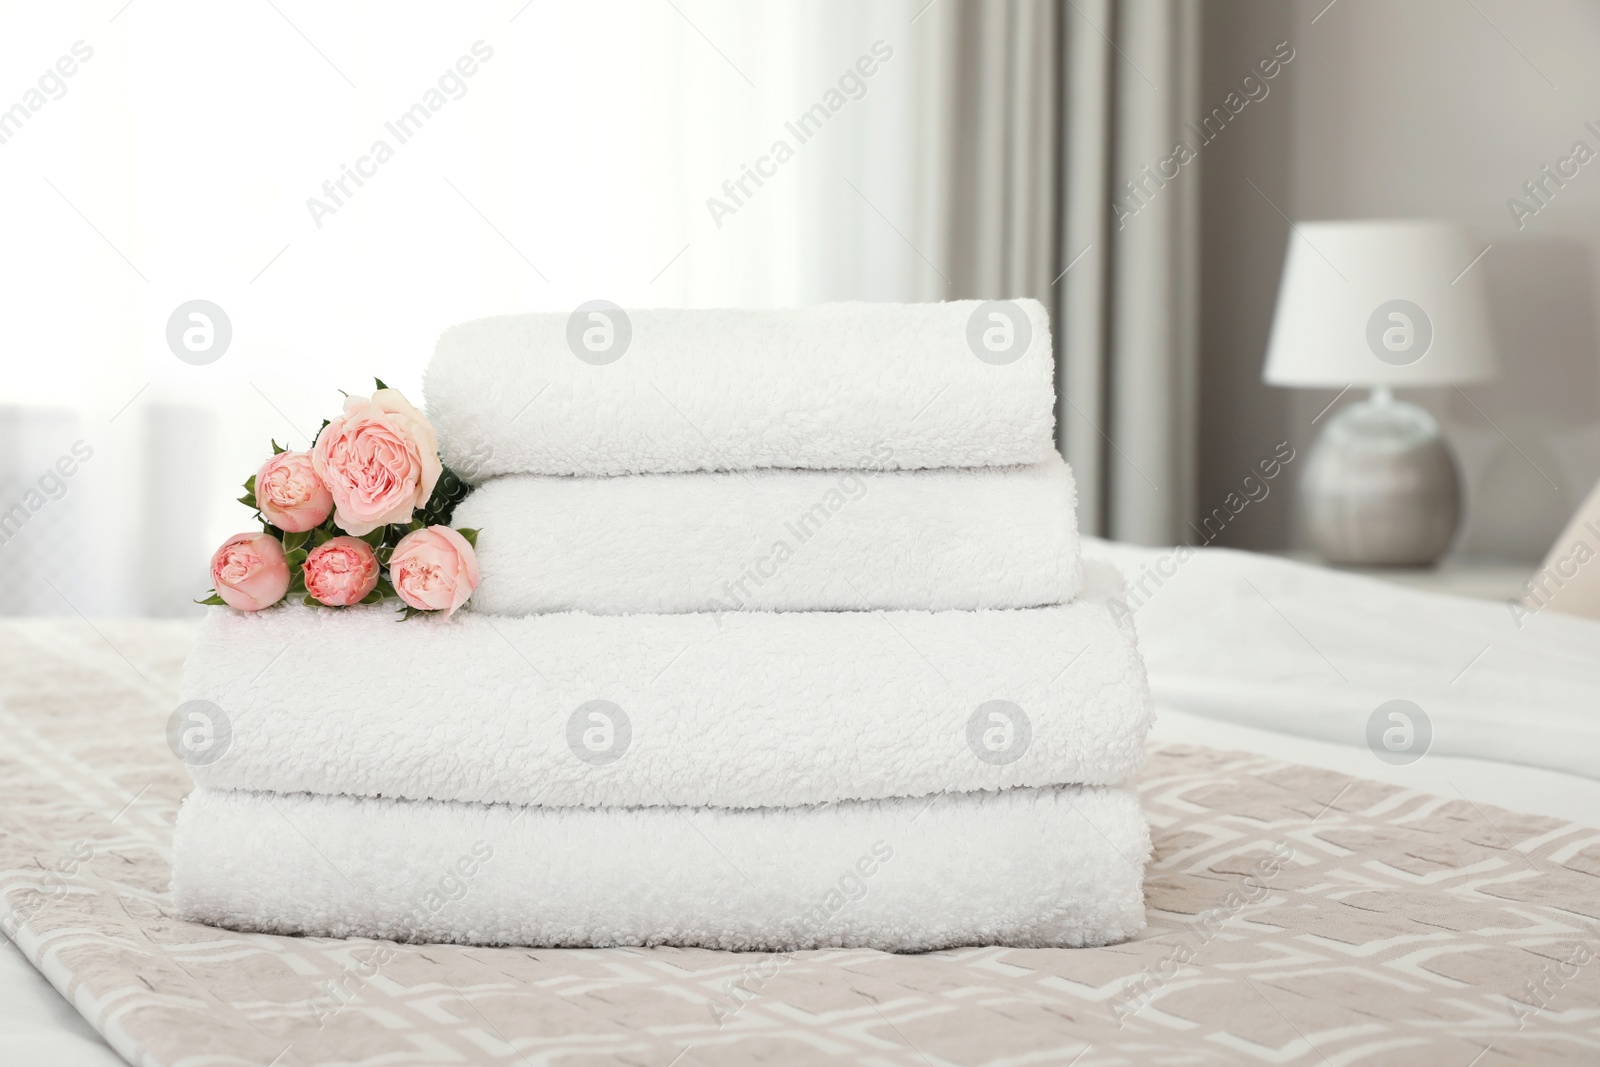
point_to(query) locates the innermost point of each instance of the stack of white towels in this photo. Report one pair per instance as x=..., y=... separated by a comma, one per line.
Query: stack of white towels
x=783, y=640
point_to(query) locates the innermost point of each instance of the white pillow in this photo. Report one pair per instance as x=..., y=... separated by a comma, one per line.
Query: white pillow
x=1569, y=580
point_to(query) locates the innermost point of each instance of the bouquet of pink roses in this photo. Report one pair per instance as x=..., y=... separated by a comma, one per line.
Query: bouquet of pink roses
x=363, y=517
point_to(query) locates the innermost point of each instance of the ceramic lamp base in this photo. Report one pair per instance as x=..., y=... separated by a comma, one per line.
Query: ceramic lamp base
x=1381, y=487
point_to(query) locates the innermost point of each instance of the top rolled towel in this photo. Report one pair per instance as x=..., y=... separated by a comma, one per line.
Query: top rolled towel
x=602, y=390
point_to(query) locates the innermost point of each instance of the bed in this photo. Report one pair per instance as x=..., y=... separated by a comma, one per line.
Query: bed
x=1317, y=894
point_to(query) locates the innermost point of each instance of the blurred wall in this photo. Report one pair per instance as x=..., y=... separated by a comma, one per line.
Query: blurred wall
x=1242, y=236
x=1436, y=108
x=43, y=535
x=103, y=517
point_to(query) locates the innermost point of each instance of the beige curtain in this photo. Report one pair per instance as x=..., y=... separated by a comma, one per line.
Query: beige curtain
x=1049, y=109
x=1126, y=315
x=1005, y=158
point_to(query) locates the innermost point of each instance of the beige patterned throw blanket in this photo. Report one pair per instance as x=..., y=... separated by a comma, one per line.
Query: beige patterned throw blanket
x=1296, y=917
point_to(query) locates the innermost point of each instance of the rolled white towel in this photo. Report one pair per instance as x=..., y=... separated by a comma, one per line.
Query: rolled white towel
x=1026, y=867
x=961, y=384
x=746, y=710
x=1002, y=537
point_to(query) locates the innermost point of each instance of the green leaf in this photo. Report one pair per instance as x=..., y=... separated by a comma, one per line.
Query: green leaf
x=448, y=491
x=379, y=383
x=311, y=601
x=322, y=535
x=250, y=484
x=248, y=500
x=212, y=599
x=292, y=541
x=471, y=537
x=372, y=597
x=277, y=449
x=375, y=537
x=295, y=558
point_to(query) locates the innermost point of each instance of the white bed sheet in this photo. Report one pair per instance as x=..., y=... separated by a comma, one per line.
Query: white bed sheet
x=38, y=1026
x=1312, y=652
x=1506, y=785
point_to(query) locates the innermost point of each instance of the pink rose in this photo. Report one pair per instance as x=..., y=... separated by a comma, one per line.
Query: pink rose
x=249, y=571
x=434, y=569
x=290, y=494
x=380, y=460
x=341, y=571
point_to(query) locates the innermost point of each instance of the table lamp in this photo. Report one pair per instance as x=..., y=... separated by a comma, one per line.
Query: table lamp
x=1382, y=304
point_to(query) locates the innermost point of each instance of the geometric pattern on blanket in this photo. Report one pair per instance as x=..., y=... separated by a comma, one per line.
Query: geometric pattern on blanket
x=1297, y=916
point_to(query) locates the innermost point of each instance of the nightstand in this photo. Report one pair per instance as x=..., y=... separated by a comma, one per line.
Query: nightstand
x=1482, y=580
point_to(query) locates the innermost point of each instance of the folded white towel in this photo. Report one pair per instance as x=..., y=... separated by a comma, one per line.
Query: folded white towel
x=1000, y=537
x=1048, y=867
x=752, y=709
x=830, y=387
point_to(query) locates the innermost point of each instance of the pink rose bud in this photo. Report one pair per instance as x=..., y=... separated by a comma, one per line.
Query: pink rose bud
x=289, y=493
x=249, y=571
x=434, y=569
x=341, y=571
x=380, y=460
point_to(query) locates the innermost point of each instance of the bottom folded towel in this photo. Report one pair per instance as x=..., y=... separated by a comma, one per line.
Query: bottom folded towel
x=1048, y=867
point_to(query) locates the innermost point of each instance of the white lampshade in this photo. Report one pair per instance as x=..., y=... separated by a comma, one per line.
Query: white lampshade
x=1380, y=302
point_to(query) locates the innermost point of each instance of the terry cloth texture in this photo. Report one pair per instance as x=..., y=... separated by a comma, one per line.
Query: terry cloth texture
x=1003, y=537
x=1026, y=867
x=743, y=710
x=962, y=384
